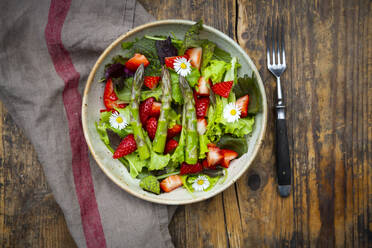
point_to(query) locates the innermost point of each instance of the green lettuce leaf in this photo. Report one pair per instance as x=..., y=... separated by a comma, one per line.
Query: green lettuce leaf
x=191, y=37
x=241, y=127
x=214, y=128
x=238, y=145
x=151, y=184
x=125, y=94
x=220, y=54
x=189, y=180
x=215, y=71
x=203, y=146
x=248, y=85
x=101, y=130
x=176, y=90
x=193, y=77
x=135, y=164
x=173, y=118
x=178, y=155
x=158, y=161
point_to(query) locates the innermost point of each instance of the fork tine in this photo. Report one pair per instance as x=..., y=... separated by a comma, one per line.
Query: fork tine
x=268, y=42
x=273, y=38
x=278, y=40
x=282, y=41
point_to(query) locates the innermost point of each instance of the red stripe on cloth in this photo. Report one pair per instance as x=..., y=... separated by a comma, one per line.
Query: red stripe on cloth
x=64, y=67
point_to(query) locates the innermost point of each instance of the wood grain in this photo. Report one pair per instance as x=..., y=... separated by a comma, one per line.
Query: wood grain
x=328, y=92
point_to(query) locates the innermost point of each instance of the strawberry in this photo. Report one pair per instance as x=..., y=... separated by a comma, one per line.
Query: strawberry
x=228, y=155
x=190, y=168
x=195, y=95
x=174, y=131
x=201, y=126
x=170, y=183
x=151, y=126
x=155, y=110
x=145, y=109
x=170, y=146
x=126, y=146
x=195, y=56
x=242, y=103
x=223, y=89
x=205, y=164
x=214, y=156
x=170, y=60
x=110, y=98
x=201, y=106
x=138, y=59
x=151, y=81
x=203, y=87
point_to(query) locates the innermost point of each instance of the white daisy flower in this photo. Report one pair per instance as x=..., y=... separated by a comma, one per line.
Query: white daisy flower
x=231, y=112
x=182, y=66
x=201, y=183
x=118, y=121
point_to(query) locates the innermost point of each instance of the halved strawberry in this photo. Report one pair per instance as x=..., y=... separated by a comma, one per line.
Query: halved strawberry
x=203, y=87
x=223, y=89
x=170, y=60
x=155, y=110
x=126, y=146
x=242, y=103
x=151, y=126
x=170, y=183
x=138, y=59
x=201, y=106
x=170, y=146
x=205, y=164
x=201, y=126
x=228, y=155
x=174, y=131
x=195, y=56
x=190, y=168
x=214, y=156
x=145, y=109
x=110, y=98
x=151, y=81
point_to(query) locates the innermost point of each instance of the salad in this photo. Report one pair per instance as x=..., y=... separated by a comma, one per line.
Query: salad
x=176, y=113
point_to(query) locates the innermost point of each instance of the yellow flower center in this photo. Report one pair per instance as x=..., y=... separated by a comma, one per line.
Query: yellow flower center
x=200, y=182
x=119, y=120
x=183, y=66
x=233, y=112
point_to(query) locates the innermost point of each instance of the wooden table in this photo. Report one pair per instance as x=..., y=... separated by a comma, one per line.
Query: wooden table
x=328, y=92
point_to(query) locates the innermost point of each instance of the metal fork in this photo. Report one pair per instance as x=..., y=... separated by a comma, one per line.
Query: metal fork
x=277, y=66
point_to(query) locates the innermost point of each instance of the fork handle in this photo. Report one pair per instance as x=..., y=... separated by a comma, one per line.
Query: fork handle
x=282, y=150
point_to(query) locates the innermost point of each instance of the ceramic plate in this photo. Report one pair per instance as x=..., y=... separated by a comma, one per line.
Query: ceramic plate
x=92, y=103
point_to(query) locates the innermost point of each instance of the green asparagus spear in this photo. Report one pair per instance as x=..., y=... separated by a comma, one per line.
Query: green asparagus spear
x=191, y=150
x=139, y=136
x=161, y=131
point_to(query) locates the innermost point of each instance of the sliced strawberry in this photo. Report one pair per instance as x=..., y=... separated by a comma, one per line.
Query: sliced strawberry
x=151, y=81
x=126, y=146
x=155, y=110
x=203, y=87
x=195, y=56
x=228, y=155
x=195, y=95
x=151, y=126
x=214, y=156
x=174, y=131
x=223, y=89
x=205, y=164
x=110, y=98
x=138, y=59
x=190, y=168
x=242, y=103
x=170, y=183
x=145, y=109
x=201, y=126
x=201, y=106
x=170, y=146
x=169, y=61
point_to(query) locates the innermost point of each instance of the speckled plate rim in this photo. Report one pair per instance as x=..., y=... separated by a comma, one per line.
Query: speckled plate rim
x=257, y=145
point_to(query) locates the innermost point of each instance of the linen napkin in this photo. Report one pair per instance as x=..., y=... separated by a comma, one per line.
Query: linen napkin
x=47, y=51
